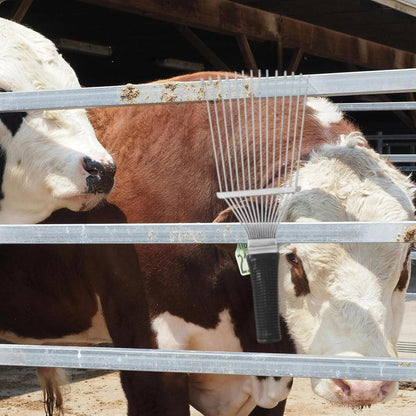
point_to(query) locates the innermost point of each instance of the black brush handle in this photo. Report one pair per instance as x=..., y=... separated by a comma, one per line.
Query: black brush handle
x=264, y=270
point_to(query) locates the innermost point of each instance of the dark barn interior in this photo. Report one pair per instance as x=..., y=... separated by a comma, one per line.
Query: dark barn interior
x=112, y=42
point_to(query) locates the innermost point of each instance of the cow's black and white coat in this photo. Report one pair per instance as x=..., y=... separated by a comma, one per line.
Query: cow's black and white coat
x=48, y=159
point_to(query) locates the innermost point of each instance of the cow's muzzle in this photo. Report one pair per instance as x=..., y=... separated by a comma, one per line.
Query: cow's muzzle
x=101, y=176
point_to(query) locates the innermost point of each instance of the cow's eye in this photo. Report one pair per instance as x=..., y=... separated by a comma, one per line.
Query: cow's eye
x=292, y=259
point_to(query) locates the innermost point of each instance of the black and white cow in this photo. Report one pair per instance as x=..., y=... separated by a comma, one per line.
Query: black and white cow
x=48, y=159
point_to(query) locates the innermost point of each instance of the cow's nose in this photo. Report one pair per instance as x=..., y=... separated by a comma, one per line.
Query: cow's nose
x=362, y=392
x=100, y=177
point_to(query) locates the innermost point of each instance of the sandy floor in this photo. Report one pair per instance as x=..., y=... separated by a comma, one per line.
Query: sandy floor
x=98, y=393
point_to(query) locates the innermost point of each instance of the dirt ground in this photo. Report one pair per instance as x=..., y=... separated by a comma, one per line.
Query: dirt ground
x=98, y=393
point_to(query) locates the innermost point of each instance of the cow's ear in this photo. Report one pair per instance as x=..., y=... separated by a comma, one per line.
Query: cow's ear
x=226, y=216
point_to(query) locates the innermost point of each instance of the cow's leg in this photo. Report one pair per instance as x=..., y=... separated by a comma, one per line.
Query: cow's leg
x=168, y=398
x=118, y=282
x=119, y=286
x=279, y=410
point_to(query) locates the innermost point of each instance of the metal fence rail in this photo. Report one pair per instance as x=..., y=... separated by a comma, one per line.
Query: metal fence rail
x=205, y=233
x=338, y=84
x=400, y=158
x=378, y=106
x=259, y=364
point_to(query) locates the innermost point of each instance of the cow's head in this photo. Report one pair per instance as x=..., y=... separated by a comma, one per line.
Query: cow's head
x=347, y=299
x=48, y=159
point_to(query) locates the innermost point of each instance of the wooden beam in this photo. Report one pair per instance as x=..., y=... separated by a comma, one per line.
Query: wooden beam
x=280, y=56
x=202, y=48
x=295, y=61
x=247, y=53
x=21, y=11
x=227, y=17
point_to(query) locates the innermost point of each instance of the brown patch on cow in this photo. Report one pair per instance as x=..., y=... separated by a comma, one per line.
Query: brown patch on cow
x=404, y=275
x=298, y=275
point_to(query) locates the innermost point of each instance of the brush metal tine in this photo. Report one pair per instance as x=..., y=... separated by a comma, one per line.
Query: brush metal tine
x=267, y=178
x=226, y=156
x=240, y=133
x=282, y=123
x=266, y=169
x=234, y=147
x=295, y=129
x=253, y=134
x=266, y=152
x=305, y=97
x=255, y=206
x=247, y=143
x=211, y=127
x=289, y=119
x=224, y=181
x=274, y=131
x=260, y=140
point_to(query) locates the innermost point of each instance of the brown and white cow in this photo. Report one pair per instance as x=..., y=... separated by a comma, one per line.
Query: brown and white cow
x=51, y=160
x=335, y=298
x=73, y=294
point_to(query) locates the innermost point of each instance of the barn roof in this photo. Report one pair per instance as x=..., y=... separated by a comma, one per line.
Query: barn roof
x=119, y=41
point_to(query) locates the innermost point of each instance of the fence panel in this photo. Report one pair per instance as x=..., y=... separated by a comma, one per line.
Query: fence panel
x=370, y=82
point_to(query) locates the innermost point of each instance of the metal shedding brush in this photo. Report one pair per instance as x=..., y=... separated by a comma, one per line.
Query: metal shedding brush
x=256, y=125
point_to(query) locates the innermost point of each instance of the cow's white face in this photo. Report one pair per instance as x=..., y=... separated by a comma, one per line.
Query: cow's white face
x=48, y=159
x=347, y=299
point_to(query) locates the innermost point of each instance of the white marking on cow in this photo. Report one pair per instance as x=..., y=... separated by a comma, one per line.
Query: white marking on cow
x=228, y=395
x=325, y=111
x=44, y=168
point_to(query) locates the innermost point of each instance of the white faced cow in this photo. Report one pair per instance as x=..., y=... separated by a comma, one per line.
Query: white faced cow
x=48, y=159
x=335, y=298
x=347, y=299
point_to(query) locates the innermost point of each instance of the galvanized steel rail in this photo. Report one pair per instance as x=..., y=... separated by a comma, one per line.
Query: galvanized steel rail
x=205, y=233
x=400, y=158
x=334, y=84
x=258, y=364
x=378, y=106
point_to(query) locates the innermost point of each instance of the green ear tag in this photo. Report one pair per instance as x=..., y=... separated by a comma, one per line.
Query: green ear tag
x=241, y=257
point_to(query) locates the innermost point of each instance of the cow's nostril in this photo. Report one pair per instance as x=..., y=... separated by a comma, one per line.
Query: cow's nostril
x=343, y=387
x=93, y=172
x=91, y=166
x=100, y=177
x=386, y=388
